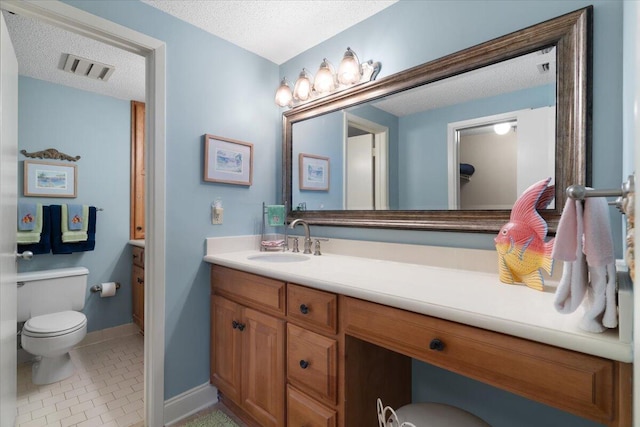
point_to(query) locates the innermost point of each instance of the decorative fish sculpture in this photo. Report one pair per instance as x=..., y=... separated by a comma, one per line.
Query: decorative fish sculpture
x=521, y=246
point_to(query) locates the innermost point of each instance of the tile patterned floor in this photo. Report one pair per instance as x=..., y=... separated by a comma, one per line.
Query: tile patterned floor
x=106, y=389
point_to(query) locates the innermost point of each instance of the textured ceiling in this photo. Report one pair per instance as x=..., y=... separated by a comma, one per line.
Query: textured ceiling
x=508, y=76
x=277, y=30
x=39, y=48
x=274, y=29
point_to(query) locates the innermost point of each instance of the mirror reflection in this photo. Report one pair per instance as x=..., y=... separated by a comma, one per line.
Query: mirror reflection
x=435, y=147
x=414, y=177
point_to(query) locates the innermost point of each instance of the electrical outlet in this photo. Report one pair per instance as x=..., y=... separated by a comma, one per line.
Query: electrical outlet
x=216, y=215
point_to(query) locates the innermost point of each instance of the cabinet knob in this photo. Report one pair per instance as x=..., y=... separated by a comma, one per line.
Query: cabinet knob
x=141, y=281
x=138, y=228
x=237, y=325
x=436, y=345
x=304, y=364
x=304, y=309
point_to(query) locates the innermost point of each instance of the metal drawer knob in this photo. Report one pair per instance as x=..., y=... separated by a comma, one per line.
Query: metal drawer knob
x=304, y=309
x=436, y=345
x=304, y=364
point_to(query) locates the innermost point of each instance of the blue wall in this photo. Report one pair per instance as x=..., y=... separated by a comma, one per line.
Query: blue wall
x=218, y=88
x=97, y=128
x=410, y=33
x=215, y=87
x=423, y=143
x=322, y=136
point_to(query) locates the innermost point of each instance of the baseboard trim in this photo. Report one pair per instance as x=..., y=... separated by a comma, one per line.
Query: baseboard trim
x=188, y=403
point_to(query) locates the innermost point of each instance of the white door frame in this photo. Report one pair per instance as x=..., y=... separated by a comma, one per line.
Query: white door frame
x=381, y=139
x=453, y=150
x=80, y=22
x=8, y=214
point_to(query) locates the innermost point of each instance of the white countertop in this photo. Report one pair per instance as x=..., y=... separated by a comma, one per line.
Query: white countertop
x=470, y=297
x=139, y=243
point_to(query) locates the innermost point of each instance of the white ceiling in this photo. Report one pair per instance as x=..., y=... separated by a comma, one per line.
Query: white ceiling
x=274, y=29
x=277, y=30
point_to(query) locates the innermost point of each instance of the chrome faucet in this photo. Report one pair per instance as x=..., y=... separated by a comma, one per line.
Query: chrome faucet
x=307, y=233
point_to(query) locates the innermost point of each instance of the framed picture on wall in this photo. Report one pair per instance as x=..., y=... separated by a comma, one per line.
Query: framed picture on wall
x=314, y=172
x=49, y=179
x=227, y=160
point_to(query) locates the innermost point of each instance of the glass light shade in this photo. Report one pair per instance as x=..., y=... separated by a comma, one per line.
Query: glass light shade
x=502, y=128
x=283, y=94
x=349, y=70
x=325, y=81
x=303, y=86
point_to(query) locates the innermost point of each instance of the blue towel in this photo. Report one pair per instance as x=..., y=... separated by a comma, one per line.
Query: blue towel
x=75, y=218
x=44, y=245
x=27, y=216
x=58, y=246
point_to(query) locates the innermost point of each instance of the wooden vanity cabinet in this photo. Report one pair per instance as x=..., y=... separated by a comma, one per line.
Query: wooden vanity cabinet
x=591, y=387
x=137, y=286
x=247, y=344
x=329, y=357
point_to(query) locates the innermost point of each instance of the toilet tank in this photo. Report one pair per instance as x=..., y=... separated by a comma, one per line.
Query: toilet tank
x=51, y=291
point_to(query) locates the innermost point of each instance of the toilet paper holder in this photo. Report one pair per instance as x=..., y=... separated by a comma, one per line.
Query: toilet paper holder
x=98, y=288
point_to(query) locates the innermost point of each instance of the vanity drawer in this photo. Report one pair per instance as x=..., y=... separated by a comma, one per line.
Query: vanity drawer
x=250, y=289
x=566, y=379
x=304, y=411
x=313, y=308
x=138, y=256
x=312, y=362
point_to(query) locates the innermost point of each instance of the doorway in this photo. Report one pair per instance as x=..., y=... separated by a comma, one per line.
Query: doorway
x=154, y=51
x=366, y=170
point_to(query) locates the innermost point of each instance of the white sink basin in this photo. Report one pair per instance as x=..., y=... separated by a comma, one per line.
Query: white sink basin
x=278, y=257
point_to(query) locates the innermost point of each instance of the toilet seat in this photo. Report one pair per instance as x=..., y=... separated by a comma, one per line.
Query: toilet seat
x=54, y=324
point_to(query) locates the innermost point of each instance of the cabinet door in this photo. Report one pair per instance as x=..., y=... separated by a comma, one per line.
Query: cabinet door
x=226, y=341
x=263, y=368
x=137, y=295
x=137, y=170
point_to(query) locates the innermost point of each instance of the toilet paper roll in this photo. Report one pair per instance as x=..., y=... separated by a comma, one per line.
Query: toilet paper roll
x=108, y=289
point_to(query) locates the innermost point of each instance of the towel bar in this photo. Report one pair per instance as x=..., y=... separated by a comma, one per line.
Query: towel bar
x=579, y=192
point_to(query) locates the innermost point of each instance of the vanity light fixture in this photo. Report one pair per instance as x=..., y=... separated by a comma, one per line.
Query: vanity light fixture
x=325, y=78
x=284, y=97
x=350, y=72
x=303, y=87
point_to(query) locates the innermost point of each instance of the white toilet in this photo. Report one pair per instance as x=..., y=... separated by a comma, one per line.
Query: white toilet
x=49, y=301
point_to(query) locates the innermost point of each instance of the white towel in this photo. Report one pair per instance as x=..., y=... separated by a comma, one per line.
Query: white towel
x=568, y=248
x=586, y=247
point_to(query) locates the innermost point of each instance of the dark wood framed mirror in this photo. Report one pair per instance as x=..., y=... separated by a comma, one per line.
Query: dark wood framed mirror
x=568, y=36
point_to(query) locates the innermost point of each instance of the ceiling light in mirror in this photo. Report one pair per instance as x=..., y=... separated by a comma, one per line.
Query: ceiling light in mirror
x=502, y=128
x=284, y=97
x=303, y=86
x=349, y=71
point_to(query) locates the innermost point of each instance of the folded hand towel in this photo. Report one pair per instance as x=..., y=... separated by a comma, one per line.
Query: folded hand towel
x=76, y=217
x=27, y=215
x=33, y=236
x=60, y=247
x=69, y=236
x=275, y=215
x=44, y=245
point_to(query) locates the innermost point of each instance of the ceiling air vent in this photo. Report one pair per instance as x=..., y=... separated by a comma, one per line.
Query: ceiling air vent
x=544, y=68
x=88, y=68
